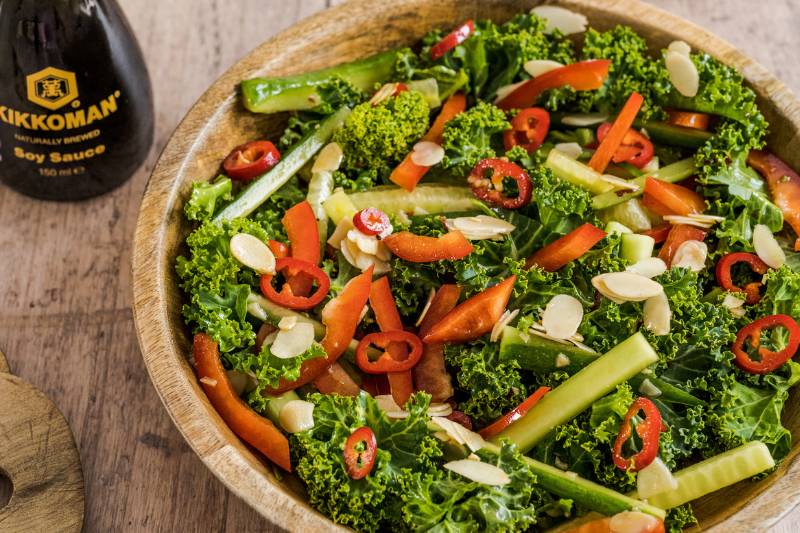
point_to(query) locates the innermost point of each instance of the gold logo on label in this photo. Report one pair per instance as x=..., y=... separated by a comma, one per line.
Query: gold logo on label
x=52, y=88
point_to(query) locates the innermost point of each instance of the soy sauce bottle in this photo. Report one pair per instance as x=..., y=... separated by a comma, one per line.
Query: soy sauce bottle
x=76, y=108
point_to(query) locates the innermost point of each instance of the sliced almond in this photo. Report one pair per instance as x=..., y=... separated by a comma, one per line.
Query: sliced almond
x=382, y=94
x=366, y=243
x=626, y=286
x=648, y=389
x=292, y=343
x=419, y=211
x=707, y=219
x=582, y=346
x=587, y=119
x=286, y=323
x=480, y=472
x=634, y=522
x=681, y=47
x=480, y=227
x=340, y=233
x=427, y=154
x=387, y=404
x=691, y=255
x=442, y=436
x=424, y=312
x=562, y=316
x=505, y=90
x=657, y=314
x=238, y=381
x=449, y=427
x=383, y=253
x=682, y=73
x=649, y=268
x=296, y=416
x=546, y=336
x=677, y=219
x=253, y=253
x=620, y=183
x=735, y=305
x=537, y=67
x=562, y=361
x=655, y=479
x=557, y=17
x=329, y=159
x=211, y=382
x=767, y=248
x=439, y=409
x=505, y=318
x=571, y=150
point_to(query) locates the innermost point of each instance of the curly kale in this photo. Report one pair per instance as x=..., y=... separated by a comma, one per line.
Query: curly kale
x=472, y=136
x=207, y=197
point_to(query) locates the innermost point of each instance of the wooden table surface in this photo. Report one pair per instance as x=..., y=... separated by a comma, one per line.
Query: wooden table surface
x=65, y=308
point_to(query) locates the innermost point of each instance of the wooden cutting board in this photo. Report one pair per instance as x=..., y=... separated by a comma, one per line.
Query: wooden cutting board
x=39, y=455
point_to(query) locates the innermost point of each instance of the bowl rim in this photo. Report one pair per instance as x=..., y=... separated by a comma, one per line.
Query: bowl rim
x=231, y=461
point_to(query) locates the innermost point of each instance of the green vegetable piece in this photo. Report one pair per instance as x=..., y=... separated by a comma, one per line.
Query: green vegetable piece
x=276, y=403
x=320, y=188
x=205, y=197
x=670, y=173
x=432, y=197
x=669, y=393
x=266, y=184
x=292, y=93
x=630, y=214
x=615, y=227
x=636, y=247
x=472, y=136
x=569, y=399
x=585, y=136
x=576, y=173
x=672, y=135
x=540, y=355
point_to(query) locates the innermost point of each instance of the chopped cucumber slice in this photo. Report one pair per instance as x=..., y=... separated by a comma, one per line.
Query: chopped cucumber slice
x=262, y=187
x=339, y=206
x=670, y=173
x=672, y=135
x=636, y=247
x=630, y=214
x=320, y=188
x=276, y=403
x=585, y=136
x=569, y=399
x=577, y=173
x=432, y=197
x=292, y=93
x=540, y=355
x=716, y=473
x=616, y=227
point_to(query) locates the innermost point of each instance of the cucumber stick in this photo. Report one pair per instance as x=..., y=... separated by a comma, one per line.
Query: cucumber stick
x=266, y=184
x=576, y=173
x=276, y=403
x=432, y=197
x=320, y=188
x=670, y=173
x=572, y=397
x=616, y=227
x=636, y=247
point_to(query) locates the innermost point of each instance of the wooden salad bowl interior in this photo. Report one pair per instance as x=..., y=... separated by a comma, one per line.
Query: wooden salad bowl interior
x=218, y=122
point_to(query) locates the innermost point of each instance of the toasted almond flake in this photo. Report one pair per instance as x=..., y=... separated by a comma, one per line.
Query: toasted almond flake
x=505, y=318
x=473, y=457
x=403, y=217
x=449, y=427
x=286, y=323
x=363, y=313
x=525, y=337
x=646, y=371
x=657, y=314
x=431, y=294
x=633, y=522
x=561, y=465
x=682, y=73
x=209, y=381
x=572, y=475
x=767, y=248
x=442, y=436
x=649, y=390
x=557, y=17
x=238, y=381
x=681, y=47
x=483, y=224
x=562, y=316
x=626, y=286
x=435, y=408
x=427, y=154
x=691, y=255
x=582, y=346
x=655, y=479
x=269, y=339
x=381, y=267
x=575, y=337
x=588, y=119
x=730, y=301
x=340, y=233
x=387, y=404
x=292, y=343
x=419, y=211
x=505, y=90
x=571, y=150
x=538, y=325
x=562, y=360
x=382, y=94
x=649, y=268
x=366, y=243
x=677, y=219
x=296, y=416
x=472, y=440
x=705, y=218
x=483, y=473
x=619, y=183
x=401, y=414
x=537, y=67
x=546, y=336
x=329, y=159
x=253, y=253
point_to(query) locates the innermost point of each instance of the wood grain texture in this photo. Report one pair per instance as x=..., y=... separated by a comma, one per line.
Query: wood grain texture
x=65, y=320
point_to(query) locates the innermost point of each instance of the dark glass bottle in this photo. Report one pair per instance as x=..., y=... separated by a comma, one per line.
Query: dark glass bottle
x=76, y=108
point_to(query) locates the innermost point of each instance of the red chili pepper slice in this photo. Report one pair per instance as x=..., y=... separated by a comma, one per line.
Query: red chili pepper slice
x=679, y=234
x=513, y=415
x=386, y=363
x=568, y=248
x=286, y=297
x=456, y=37
x=659, y=233
x=687, y=119
x=352, y=456
x=528, y=129
x=249, y=161
x=491, y=189
x=669, y=199
x=371, y=221
x=421, y=249
x=724, y=274
x=616, y=135
x=769, y=360
x=635, y=149
x=783, y=184
x=649, y=431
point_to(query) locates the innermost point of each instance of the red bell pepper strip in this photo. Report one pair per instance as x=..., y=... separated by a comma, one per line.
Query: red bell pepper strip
x=286, y=297
x=687, y=119
x=616, y=134
x=568, y=248
x=340, y=316
x=456, y=37
x=491, y=189
x=515, y=414
x=248, y=161
x=303, y=231
x=582, y=76
x=386, y=363
x=460, y=418
x=648, y=430
x=473, y=318
x=420, y=249
x=724, y=274
x=278, y=249
x=430, y=372
x=783, y=184
x=635, y=149
x=408, y=173
x=659, y=233
x=352, y=456
x=650, y=202
x=528, y=129
x=371, y=221
x=677, y=199
x=370, y=386
x=679, y=234
x=336, y=379
x=769, y=360
x=644, y=523
x=246, y=423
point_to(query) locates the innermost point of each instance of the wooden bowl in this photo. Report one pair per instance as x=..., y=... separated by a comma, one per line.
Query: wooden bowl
x=217, y=123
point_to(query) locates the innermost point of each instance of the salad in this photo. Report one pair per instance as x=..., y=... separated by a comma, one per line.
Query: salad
x=503, y=282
